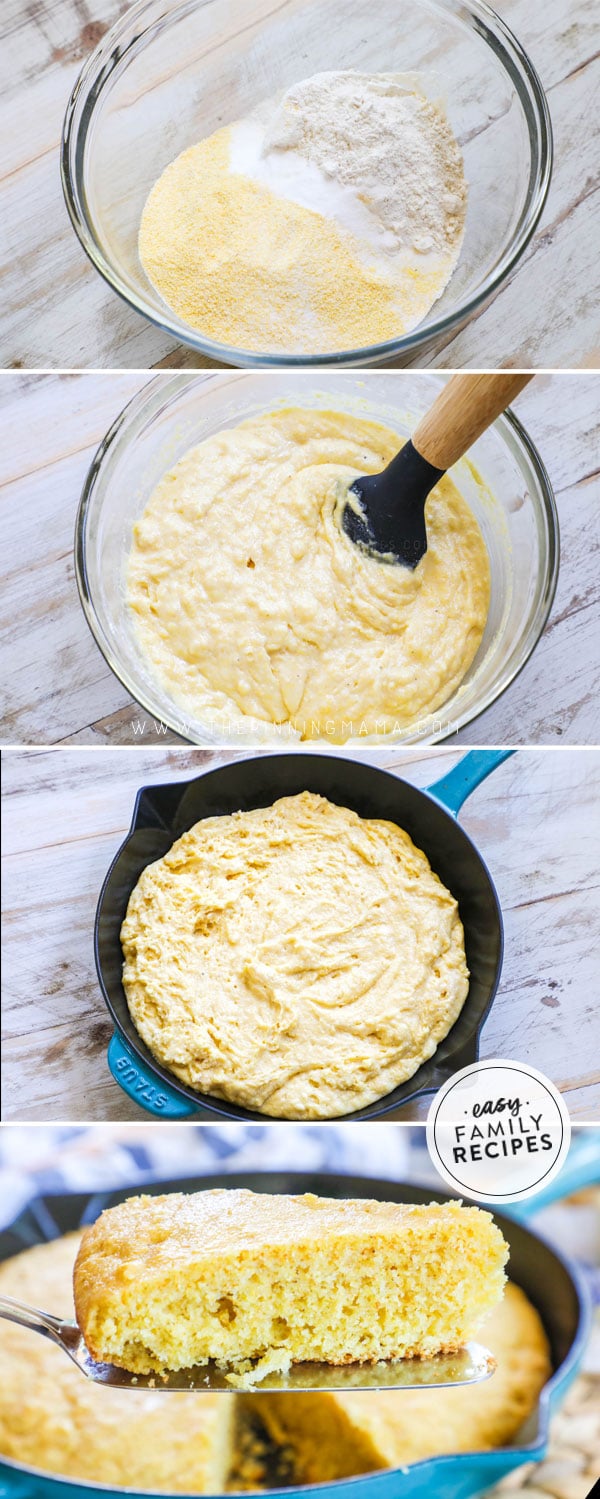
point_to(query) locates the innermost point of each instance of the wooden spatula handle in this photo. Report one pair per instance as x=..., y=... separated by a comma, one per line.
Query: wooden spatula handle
x=465, y=407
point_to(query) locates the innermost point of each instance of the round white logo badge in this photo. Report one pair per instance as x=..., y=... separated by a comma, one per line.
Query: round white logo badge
x=498, y=1131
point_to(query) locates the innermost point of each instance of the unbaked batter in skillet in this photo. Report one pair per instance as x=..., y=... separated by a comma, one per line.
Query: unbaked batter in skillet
x=296, y=959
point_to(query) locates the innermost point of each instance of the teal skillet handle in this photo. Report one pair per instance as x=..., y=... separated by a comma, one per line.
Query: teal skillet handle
x=140, y=1084
x=581, y=1169
x=454, y=788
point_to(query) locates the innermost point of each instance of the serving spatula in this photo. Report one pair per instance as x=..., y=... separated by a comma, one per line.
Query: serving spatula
x=385, y=513
x=470, y=1365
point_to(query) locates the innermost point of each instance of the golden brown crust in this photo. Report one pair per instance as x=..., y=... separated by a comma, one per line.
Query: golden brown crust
x=52, y=1419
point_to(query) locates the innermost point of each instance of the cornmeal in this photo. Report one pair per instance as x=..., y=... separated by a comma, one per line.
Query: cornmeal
x=297, y=959
x=329, y=218
x=252, y=607
x=237, y=1276
x=53, y=1418
x=337, y=1436
x=245, y=267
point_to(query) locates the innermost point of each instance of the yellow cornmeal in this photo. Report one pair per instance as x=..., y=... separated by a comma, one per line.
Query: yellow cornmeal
x=168, y=1282
x=252, y=607
x=299, y=960
x=257, y=271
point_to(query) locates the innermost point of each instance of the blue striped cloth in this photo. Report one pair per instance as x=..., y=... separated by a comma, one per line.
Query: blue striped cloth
x=47, y=1158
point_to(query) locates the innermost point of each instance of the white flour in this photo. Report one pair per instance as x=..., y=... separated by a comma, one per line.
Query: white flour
x=369, y=150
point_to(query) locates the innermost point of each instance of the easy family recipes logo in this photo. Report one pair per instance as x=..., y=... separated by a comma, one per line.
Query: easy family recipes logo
x=500, y=1126
x=498, y=1131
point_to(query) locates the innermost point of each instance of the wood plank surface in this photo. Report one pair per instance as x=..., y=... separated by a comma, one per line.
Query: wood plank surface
x=58, y=313
x=56, y=686
x=535, y=822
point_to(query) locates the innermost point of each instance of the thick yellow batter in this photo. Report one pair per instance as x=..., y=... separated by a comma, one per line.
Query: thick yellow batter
x=298, y=959
x=254, y=608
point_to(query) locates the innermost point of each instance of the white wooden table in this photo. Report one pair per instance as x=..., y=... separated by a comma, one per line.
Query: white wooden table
x=55, y=685
x=58, y=313
x=535, y=822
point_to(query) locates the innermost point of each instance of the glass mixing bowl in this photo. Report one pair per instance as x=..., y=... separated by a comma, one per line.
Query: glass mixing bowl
x=170, y=73
x=503, y=480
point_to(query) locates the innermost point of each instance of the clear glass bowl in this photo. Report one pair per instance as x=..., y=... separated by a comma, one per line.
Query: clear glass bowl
x=170, y=73
x=503, y=480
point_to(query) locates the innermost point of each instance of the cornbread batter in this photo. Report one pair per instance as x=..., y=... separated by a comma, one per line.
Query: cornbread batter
x=297, y=959
x=253, y=607
x=171, y=1281
x=330, y=218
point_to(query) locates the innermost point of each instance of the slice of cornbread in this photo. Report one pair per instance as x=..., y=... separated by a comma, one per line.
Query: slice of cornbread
x=236, y=1276
x=53, y=1419
x=337, y=1436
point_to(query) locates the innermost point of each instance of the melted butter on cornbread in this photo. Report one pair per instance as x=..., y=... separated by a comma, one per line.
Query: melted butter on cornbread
x=171, y=1281
x=297, y=959
x=252, y=606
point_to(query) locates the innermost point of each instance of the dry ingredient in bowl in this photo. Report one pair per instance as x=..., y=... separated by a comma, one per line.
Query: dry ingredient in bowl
x=329, y=219
x=253, y=609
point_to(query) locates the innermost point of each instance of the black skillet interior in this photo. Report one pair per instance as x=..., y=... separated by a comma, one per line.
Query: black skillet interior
x=533, y=1265
x=163, y=813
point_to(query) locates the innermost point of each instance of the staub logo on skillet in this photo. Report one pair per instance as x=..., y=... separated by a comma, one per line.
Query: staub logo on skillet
x=146, y=1092
x=498, y=1131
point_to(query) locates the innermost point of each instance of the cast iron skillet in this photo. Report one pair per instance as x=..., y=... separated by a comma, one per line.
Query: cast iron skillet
x=553, y=1285
x=163, y=813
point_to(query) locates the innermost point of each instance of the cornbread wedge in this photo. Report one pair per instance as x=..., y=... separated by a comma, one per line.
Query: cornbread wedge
x=55, y=1421
x=258, y=1282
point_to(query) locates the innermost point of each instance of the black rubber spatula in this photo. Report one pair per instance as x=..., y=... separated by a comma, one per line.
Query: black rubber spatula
x=386, y=512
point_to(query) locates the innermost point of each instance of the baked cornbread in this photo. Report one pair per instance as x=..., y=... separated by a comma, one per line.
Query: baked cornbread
x=297, y=959
x=258, y=1282
x=253, y=608
x=337, y=1436
x=54, y=1419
